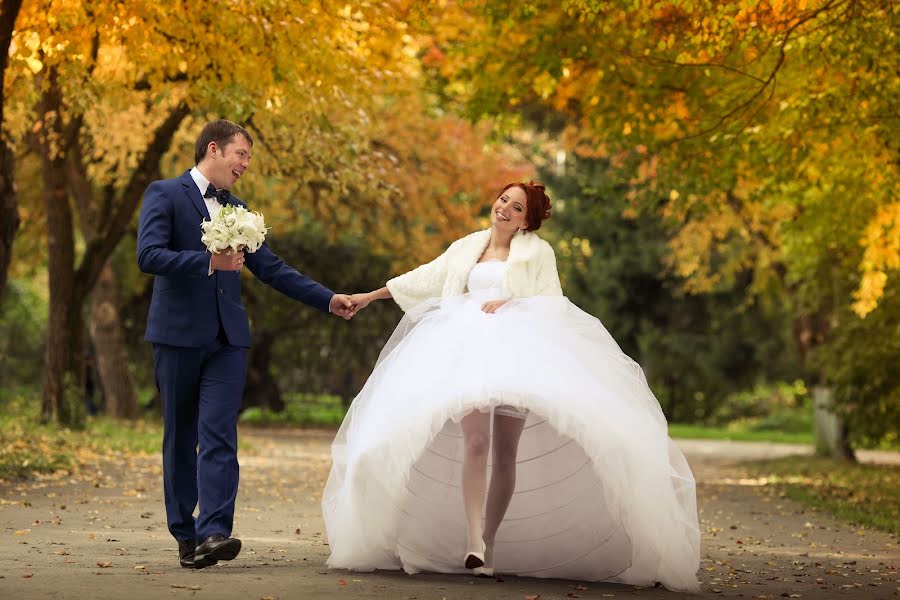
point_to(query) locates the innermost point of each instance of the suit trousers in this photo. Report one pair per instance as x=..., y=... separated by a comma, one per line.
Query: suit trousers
x=201, y=391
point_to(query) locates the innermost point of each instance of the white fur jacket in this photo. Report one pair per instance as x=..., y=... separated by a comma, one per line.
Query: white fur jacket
x=531, y=271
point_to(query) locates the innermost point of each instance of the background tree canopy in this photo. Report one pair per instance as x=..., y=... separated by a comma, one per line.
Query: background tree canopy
x=724, y=176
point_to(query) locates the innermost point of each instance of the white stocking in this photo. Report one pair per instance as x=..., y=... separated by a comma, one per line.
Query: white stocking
x=477, y=440
x=507, y=431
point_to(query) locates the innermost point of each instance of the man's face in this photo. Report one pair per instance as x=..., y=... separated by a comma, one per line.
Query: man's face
x=228, y=162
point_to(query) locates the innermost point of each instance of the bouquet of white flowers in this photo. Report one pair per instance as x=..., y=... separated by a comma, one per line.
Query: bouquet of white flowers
x=234, y=227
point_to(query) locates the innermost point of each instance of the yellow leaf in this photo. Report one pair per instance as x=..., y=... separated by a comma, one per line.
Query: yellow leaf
x=34, y=64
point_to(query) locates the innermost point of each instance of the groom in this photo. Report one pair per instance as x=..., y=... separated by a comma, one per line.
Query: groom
x=200, y=335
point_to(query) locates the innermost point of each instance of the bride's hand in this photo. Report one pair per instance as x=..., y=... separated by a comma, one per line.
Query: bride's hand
x=492, y=306
x=360, y=301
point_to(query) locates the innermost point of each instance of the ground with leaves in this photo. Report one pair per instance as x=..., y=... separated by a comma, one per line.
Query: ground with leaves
x=101, y=533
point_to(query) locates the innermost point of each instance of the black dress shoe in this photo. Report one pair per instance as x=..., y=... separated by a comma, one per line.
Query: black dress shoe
x=186, y=553
x=215, y=548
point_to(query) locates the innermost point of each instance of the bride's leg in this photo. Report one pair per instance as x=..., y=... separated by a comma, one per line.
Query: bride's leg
x=507, y=431
x=476, y=428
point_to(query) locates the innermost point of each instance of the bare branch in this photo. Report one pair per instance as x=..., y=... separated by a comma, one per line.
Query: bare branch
x=665, y=61
x=99, y=248
x=769, y=81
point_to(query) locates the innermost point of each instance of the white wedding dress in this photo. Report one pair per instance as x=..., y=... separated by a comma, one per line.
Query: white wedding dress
x=602, y=493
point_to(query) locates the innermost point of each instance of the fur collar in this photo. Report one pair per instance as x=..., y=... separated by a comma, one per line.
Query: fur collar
x=522, y=248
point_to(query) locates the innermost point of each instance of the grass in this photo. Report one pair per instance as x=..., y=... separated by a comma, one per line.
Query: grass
x=867, y=495
x=28, y=446
x=310, y=410
x=705, y=432
x=322, y=410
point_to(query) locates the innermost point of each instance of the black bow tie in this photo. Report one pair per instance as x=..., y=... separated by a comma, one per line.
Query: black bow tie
x=222, y=196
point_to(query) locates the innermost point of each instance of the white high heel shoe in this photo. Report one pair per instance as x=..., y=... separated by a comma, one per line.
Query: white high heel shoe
x=475, y=559
x=485, y=570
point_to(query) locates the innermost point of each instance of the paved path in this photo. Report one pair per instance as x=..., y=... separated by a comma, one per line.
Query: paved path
x=101, y=533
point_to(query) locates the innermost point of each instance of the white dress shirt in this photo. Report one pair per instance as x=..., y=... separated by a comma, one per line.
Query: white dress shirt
x=212, y=205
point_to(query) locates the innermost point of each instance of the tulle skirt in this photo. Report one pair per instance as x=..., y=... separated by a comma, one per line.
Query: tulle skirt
x=602, y=493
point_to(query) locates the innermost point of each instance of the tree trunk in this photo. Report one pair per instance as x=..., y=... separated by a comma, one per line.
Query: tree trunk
x=63, y=377
x=262, y=389
x=107, y=333
x=110, y=349
x=9, y=210
x=830, y=430
x=63, y=351
x=63, y=396
x=62, y=399
x=831, y=434
x=9, y=205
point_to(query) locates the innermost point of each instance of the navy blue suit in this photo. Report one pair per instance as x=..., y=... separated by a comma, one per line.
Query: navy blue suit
x=200, y=332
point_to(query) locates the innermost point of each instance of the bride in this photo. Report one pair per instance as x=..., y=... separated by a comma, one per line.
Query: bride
x=503, y=428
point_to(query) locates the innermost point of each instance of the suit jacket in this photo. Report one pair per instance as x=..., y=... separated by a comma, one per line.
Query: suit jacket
x=188, y=305
x=531, y=271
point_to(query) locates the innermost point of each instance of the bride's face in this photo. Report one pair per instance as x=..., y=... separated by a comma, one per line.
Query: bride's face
x=508, y=212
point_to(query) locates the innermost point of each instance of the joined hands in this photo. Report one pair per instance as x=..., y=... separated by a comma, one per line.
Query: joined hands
x=346, y=306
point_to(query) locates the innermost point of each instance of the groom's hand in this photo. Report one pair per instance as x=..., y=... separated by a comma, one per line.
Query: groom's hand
x=342, y=306
x=227, y=261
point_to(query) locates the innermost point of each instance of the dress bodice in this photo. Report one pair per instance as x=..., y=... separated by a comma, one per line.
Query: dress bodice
x=487, y=276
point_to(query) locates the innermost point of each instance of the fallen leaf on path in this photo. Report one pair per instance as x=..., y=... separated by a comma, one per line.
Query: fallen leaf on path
x=342, y=582
x=104, y=564
x=534, y=597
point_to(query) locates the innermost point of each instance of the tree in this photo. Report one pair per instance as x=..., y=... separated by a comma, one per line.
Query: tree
x=696, y=350
x=108, y=112
x=103, y=220
x=93, y=67
x=767, y=131
x=9, y=209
